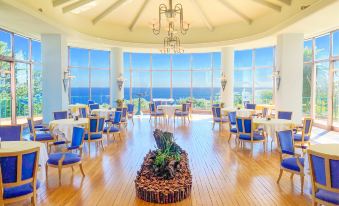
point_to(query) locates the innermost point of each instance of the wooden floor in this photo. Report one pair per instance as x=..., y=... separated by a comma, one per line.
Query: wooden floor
x=221, y=174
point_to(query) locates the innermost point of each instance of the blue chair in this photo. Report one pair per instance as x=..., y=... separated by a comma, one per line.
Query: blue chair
x=218, y=118
x=250, y=106
x=215, y=105
x=232, y=124
x=93, y=106
x=245, y=103
x=113, y=127
x=293, y=163
x=285, y=115
x=60, y=115
x=183, y=113
x=154, y=112
x=305, y=136
x=94, y=134
x=130, y=111
x=90, y=102
x=325, y=178
x=246, y=132
x=66, y=158
x=83, y=112
x=11, y=133
x=124, y=116
x=18, y=174
x=40, y=136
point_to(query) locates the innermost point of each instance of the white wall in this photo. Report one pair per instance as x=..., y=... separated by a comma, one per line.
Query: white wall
x=227, y=68
x=290, y=64
x=54, y=60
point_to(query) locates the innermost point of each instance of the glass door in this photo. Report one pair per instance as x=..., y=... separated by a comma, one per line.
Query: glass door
x=336, y=95
x=5, y=94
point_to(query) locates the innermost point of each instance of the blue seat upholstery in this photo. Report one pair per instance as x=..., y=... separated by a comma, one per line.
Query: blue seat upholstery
x=83, y=112
x=111, y=129
x=218, y=119
x=158, y=113
x=285, y=115
x=234, y=130
x=256, y=137
x=297, y=137
x=93, y=136
x=291, y=163
x=42, y=137
x=327, y=196
x=93, y=106
x=18, y=191
x=70, y=158
x=90, y=102
x=250, y=106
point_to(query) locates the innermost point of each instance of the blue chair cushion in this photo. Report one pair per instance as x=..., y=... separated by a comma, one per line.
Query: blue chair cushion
x=42, y=129
x=59, y=142
x=180, y=113
x=327, y=196
x=112, y=129
x=256, y=137
x=93, y=136
x=158, y=113
x=297, y=137
x=217, y=119
x=42, y=137
x=38, y=126
x=72, y=147
x=18, y=191
x=234, y=130
x=291, y=163
x=70, y=158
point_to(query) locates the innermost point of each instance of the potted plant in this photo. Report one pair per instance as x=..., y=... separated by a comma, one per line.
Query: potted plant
x=120, y=103
x=222, y=104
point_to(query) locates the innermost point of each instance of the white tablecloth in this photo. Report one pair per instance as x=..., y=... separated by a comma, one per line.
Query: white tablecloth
x=64, y=127
x=103, y=112
x=74, y=108
x=169, y=110
x=239, y=112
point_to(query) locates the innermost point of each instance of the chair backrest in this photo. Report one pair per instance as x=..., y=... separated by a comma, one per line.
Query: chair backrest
x=285, y=142
x=152, y=107
x=245, y=103
x=157, y=103
x=324, y=171
x=216, y=112
x=117, y=117
x=285, y=115
x=19, y=168
x=93, y=106
x=215, y=105
x=119, y=109
x=124, y=112
x=244, y=125
x=232, y=117
x=130, y=108
x=96, y=124
x=11, y=133
x=90, y=102
x=83, y=112
x=78, y=136
x=185, y=107
x=250, y=106
x=60, y=115
x=307, y=126
x=30, y=123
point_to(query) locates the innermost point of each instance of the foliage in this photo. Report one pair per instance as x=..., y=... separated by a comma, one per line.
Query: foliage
x=120, y=102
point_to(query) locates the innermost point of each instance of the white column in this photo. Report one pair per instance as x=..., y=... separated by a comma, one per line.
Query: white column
x=117, y=69
x=54, y=60
x=290, y=64
x=227, y=68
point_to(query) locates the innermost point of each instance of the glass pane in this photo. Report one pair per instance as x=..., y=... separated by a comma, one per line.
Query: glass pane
x=335, y=43
x=141, y=61
x=5, y=43
x=263, y=86
x=100, y=86
x=201, y=61
x=21, y=90
x=36, y=51
x=78, y=57
x=264, y=56
x=307, y=86
x=37, y=89
x=322, y=71
x=243, y=58
x=161, y=62
x=181, y=86
x=322, y=47
x=141, y=83
x=21, y=48
x=181, y=61
x=161, y=85
x=202, y=89
x=336, y=95
x=308, y=53
x=216, y=60
x=127, y=84
x=216, y=86
x=99, y=59
x=5, y=95
x=79, y=86
x=243, y=83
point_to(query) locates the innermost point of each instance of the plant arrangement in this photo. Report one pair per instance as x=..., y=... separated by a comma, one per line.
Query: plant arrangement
x=120, y=103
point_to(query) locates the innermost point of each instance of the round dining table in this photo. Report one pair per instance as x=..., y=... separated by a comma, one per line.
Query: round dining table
x=64, y=127
x=239, y=112
x=103, y=112
x=74, y=108
x=18, y=146
x=169, y=110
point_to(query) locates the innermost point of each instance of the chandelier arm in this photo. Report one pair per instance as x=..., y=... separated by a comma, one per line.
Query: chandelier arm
x=162, y=9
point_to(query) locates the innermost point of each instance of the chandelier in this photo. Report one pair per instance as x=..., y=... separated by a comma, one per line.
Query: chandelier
x=172, y=43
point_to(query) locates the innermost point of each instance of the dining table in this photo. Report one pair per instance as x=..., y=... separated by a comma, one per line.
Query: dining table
x=74, y=108
x=262, y=106
x=239, y=112
x=19, y=146
x=64, y=127
x=169, y=110
x=103, y=112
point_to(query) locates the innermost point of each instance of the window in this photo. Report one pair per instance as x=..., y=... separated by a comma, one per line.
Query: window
x=91, y=71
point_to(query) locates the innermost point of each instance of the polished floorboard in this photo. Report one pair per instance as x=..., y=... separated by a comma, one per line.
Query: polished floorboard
x=222, y=174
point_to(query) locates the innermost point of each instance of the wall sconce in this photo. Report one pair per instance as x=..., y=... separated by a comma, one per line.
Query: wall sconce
x=277, y=78
x=223, y=81
x=67, y=78
x=120, y=81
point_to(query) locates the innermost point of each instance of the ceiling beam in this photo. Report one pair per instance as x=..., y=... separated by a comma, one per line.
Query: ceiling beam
x=136, y=18
x=269, y=5
x=203, y=15
x=287, y=2
x=75, y=5
x=235, y=10
x=109, y=10
x=59, y=2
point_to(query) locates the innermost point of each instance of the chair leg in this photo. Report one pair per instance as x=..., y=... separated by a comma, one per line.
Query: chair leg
x=33, y=199
x=302, y=184
x=213, y=125
x=46, y=169
x=229, y=137
x=59, y=172
x=89, y=148
x=102, y=145
x=82, y=170
x=280, y=174
x=72, y=169
x=292, y=176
